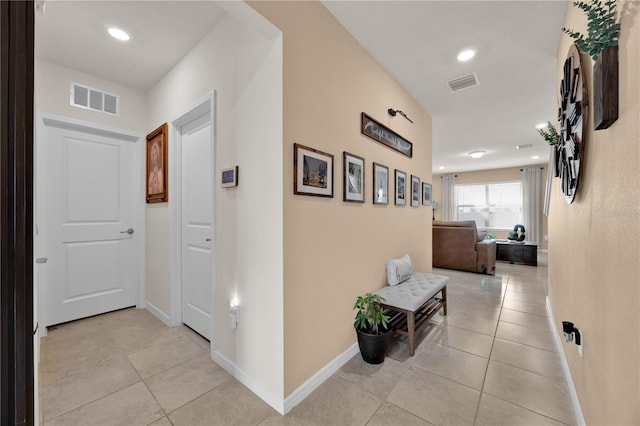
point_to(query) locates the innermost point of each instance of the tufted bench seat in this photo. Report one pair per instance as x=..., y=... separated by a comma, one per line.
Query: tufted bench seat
x=413, y=302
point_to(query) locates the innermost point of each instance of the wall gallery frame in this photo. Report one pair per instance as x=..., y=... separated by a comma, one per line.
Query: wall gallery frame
x=401, y=188
x=415, y=191
x=380, y=184
x=427, y=197
x=157, y=171
x=380, y=133
x=312, y=172
x=353, y=178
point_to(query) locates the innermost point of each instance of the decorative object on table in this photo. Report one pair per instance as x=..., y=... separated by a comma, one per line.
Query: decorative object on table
x=415, y=191
x=392, y=112
x=574, y=103
x=380, y=184
x=372, y=327
x=157, y=170
x=601, y=43
x=434, y=207
x=427, y=196
x=229, y=177
x=518, y=233
x=353, y=178
x=401, y=188
x=380, y=133
x=312, y=172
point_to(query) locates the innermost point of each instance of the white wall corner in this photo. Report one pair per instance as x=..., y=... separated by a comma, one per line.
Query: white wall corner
x=158, y=313
x=565, y=367
x=275, y=401
x=305, y=389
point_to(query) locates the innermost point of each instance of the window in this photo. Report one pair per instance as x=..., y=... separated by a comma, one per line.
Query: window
x=491, y=205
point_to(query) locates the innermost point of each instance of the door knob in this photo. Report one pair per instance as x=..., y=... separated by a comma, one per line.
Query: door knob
x=208, y=239
x=129, y=231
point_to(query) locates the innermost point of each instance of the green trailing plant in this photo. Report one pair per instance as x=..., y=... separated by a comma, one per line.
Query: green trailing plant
x=370, y=314
x=550, y=134
x=602, y=28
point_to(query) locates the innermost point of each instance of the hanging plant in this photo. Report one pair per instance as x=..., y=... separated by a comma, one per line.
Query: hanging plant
x=602, y=28
x=550, y=134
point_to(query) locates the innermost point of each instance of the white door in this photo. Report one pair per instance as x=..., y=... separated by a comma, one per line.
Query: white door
x=197, y=226
x=87, y=206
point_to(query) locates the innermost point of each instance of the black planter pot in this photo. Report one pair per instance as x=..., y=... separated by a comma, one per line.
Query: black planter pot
x=373, y=347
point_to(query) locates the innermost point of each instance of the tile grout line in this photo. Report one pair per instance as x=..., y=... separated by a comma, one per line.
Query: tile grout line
x=493, y=341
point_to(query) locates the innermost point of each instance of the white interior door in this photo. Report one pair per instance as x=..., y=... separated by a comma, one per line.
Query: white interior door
x=197, y=226
x=89, y=216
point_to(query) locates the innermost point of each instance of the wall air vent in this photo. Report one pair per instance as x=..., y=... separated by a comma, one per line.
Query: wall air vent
x=463, y=82
x=96, y=100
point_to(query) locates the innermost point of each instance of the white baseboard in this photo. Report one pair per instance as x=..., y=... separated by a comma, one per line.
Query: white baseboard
x=265, y=394
x=565, y=367
x=283, y=406
x=158, y=313
x=304, y=390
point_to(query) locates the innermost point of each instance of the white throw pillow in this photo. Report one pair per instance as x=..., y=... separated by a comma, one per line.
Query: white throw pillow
x=399, y=270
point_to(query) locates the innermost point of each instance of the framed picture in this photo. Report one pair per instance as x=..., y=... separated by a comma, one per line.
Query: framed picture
x=380, y=184
x=427, y=199
x=312, y=172
x=380, y=133
x=229, y=177
x=401, y=188
x=353, y=189
x=415, y=191
x=157, y=171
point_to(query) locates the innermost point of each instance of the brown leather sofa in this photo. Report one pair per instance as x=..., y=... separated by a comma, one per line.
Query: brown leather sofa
x=456, y=246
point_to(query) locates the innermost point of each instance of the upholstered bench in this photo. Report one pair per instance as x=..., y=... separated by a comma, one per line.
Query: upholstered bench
x=412, y=298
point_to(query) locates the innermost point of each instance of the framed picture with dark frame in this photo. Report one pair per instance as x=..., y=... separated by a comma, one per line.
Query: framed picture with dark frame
x=427, y=195
x=353, y=178
x=312, y=172
x=415, y=191
x=380, y=184
x=157, y=171
x=401, y=188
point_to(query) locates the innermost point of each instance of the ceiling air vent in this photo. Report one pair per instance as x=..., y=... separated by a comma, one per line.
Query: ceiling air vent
x=94, y=99
x=463, y=82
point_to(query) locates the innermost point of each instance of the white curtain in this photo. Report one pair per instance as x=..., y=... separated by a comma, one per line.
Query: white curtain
x=532, y=202
x=449, y=197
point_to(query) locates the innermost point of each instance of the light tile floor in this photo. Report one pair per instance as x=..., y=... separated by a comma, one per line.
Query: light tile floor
x=491, y=361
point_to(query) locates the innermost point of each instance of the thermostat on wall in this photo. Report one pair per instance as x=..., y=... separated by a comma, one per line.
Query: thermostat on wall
x=229, y=177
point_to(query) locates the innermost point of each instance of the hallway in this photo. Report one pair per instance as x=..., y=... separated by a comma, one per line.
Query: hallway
x=492, y=360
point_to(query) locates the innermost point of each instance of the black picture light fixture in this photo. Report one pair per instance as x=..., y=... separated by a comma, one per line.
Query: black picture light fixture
x=392, y=112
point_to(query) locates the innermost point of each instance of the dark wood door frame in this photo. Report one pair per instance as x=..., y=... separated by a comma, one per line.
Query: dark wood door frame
x=16, y=217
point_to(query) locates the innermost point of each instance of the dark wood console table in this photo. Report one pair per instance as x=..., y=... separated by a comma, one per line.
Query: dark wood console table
x=526, y=254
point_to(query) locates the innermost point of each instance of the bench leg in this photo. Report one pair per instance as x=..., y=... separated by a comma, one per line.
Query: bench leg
x=444, y=299
x=411, y=327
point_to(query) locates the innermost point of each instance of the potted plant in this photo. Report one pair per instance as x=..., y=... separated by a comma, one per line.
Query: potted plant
x=550, y=134
x=601, y=43
x=372, y=327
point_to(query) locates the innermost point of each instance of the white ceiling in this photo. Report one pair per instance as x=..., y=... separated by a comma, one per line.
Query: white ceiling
x=73, y=34
x=516, y=43
x=417, y=41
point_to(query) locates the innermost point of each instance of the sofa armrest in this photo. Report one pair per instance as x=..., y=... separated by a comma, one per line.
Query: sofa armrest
x=486, y=261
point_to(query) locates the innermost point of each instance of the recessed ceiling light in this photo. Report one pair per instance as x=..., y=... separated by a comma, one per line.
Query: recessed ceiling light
x=535, y=157
x=466, y=55
x=441, y=168
x=541, y=125
x=477, y=154
x=529, y=145
x=118, y=34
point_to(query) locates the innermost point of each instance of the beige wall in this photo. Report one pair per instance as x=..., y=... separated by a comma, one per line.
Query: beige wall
x=594, y=250
x=334, y=251
x=486, y=176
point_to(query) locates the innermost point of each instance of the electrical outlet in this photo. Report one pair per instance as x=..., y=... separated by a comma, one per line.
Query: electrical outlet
x=546, y=237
